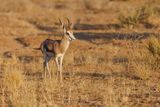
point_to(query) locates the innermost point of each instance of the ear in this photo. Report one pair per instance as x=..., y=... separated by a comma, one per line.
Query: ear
x=64, y=30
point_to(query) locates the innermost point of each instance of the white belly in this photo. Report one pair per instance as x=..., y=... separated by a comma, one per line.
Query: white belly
x=59, y=55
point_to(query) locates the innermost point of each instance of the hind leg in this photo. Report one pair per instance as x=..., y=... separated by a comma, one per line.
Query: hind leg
x=46, y=66
x=44, y=69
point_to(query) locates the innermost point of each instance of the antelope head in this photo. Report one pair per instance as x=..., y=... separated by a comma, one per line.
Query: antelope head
x=67, y=30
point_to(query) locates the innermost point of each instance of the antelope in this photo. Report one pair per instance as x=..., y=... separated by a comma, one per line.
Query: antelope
x=57, y=48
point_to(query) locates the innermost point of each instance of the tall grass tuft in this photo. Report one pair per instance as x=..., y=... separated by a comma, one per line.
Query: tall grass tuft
x=13, y=80
x=153, y=47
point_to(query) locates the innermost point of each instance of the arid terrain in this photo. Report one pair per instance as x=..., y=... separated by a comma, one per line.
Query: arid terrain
x=114, y=62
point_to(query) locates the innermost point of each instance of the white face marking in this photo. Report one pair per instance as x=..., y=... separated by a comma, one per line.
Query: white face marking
x=71, y=36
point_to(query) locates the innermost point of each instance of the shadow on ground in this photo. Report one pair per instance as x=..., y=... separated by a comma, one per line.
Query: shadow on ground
x=89, y=36
x=96, y=26
x=86, y=75
x=101, y=76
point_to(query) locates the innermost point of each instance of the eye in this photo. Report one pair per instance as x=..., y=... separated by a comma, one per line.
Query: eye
x=67, y=33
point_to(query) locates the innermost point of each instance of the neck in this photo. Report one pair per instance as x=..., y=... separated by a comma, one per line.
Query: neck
x=64, y=43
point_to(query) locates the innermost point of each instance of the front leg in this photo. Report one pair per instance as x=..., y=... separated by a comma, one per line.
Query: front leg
x=61, y=69
x=58, y=67
x=57, y=63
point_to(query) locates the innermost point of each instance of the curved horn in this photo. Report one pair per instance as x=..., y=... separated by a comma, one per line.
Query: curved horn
x=69, y=23
x=61, y=22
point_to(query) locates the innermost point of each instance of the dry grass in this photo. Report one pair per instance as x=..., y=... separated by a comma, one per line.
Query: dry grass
x=95, y=4
x=107, y=66
x=153, y=47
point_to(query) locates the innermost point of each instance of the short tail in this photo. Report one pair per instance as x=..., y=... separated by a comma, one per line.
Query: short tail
x=37, y=48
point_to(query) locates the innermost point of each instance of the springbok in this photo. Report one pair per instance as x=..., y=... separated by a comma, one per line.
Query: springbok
x=57, y=48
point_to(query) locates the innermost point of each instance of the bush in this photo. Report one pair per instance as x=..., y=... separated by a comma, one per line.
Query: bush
x=137, y=16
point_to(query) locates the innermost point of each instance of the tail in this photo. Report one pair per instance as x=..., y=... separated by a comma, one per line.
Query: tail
x=37, y=48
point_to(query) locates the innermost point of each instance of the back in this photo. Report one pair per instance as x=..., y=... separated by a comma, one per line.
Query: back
x=48, y=45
